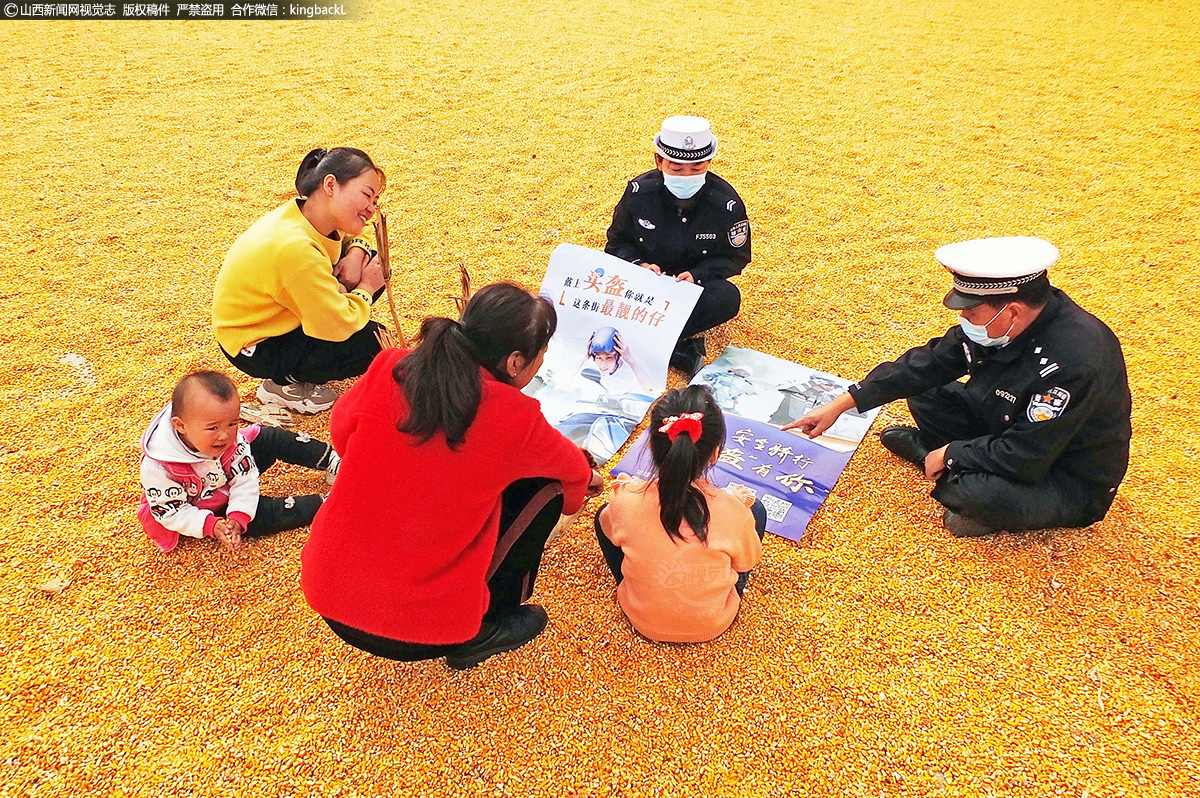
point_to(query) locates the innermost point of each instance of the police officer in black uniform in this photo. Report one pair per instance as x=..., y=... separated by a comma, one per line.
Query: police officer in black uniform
x=1039, y=434
x=682, y=220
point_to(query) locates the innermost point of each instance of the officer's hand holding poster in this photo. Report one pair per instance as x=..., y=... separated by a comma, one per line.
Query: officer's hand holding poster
x=607, y=361
x=790, y=474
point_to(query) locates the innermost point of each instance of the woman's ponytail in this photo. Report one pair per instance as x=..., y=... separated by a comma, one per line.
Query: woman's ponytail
x=441, y=382
x=306, y=179
x=344, y=163
x=686, y=429
x=441, y=379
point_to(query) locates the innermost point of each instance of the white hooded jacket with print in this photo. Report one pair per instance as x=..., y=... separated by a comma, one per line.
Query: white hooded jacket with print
x=185, y=506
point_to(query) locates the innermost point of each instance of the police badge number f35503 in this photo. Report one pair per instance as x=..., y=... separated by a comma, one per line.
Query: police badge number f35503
x=1048, y=405
x=739, y=233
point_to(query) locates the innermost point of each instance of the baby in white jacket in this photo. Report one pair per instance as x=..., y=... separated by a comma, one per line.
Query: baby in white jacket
x=200, y=471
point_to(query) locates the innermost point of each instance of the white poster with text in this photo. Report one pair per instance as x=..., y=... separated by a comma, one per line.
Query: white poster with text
x=607, y=361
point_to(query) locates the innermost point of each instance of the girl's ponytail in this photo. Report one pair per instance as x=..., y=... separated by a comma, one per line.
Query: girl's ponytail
x=686, y=428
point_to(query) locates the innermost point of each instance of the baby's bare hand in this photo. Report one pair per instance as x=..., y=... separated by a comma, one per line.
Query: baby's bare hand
x=229, y=533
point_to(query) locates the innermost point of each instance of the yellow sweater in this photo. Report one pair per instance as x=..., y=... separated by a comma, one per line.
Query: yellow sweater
x=278, y=276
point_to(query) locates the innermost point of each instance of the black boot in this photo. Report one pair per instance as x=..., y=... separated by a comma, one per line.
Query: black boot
x=905, y=442
x=505, y=633
x=963, y=527
x=688, y=356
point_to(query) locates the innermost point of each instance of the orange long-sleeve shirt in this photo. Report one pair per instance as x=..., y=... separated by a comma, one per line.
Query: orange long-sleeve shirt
x=680, y=591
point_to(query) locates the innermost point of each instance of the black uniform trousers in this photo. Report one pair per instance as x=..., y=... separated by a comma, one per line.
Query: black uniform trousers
x=947, y=414
x=719, y=303
x=614, y=558
x=529, y=511
x=273, y=445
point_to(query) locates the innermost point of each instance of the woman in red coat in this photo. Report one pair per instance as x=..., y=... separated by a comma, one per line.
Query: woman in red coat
x=450, y=483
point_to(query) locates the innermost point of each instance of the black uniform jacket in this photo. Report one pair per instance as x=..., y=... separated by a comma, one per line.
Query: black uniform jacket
x=707, y=235
x=1057, y=396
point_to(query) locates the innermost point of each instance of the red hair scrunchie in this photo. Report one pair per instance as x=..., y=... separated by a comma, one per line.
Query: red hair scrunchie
x=686, y=422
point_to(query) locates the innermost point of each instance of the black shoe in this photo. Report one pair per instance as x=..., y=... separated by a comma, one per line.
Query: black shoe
x=904, y=442
x=503, y=634
x=962, y=527
x=688, y=356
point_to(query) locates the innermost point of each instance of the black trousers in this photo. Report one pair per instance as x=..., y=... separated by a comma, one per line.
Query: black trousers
x=296, y=357
x=948, y=414
x=274, y=445
x=719, y=303
x=615, y=558
x=510, y=585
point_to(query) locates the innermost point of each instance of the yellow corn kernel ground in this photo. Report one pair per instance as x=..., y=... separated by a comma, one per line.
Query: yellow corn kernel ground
x=878, y=657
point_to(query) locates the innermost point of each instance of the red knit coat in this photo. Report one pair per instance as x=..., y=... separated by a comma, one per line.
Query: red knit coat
x=401, y=547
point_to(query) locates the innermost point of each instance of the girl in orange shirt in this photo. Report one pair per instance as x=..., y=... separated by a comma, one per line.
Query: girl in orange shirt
x=680, y=548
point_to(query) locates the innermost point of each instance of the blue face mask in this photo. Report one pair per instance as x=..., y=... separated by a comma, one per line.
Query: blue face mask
x=979, y=334
x=684, y=186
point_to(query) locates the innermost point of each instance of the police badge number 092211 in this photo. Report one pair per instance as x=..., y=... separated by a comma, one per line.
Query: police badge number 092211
x=739, y=233
x=1048, y=405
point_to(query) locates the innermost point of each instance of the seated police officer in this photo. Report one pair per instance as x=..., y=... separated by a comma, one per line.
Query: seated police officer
x=1039, y=434
x=682, y=220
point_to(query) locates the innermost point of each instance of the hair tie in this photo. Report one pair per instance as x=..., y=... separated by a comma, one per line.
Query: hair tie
x=685, y=422
x=457, y=326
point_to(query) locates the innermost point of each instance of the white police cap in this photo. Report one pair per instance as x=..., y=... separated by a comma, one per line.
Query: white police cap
x=995, y=268
x=686, y=139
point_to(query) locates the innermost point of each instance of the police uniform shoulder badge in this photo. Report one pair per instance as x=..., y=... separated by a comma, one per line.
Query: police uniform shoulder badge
x=739, y=233
x=1048, y=405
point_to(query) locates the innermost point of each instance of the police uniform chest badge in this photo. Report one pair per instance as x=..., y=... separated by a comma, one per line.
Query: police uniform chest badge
x=646, y=223
x=739, y=233
x=1048, y=405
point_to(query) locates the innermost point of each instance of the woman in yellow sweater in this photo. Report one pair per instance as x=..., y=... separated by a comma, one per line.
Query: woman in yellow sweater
x=292, y=303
